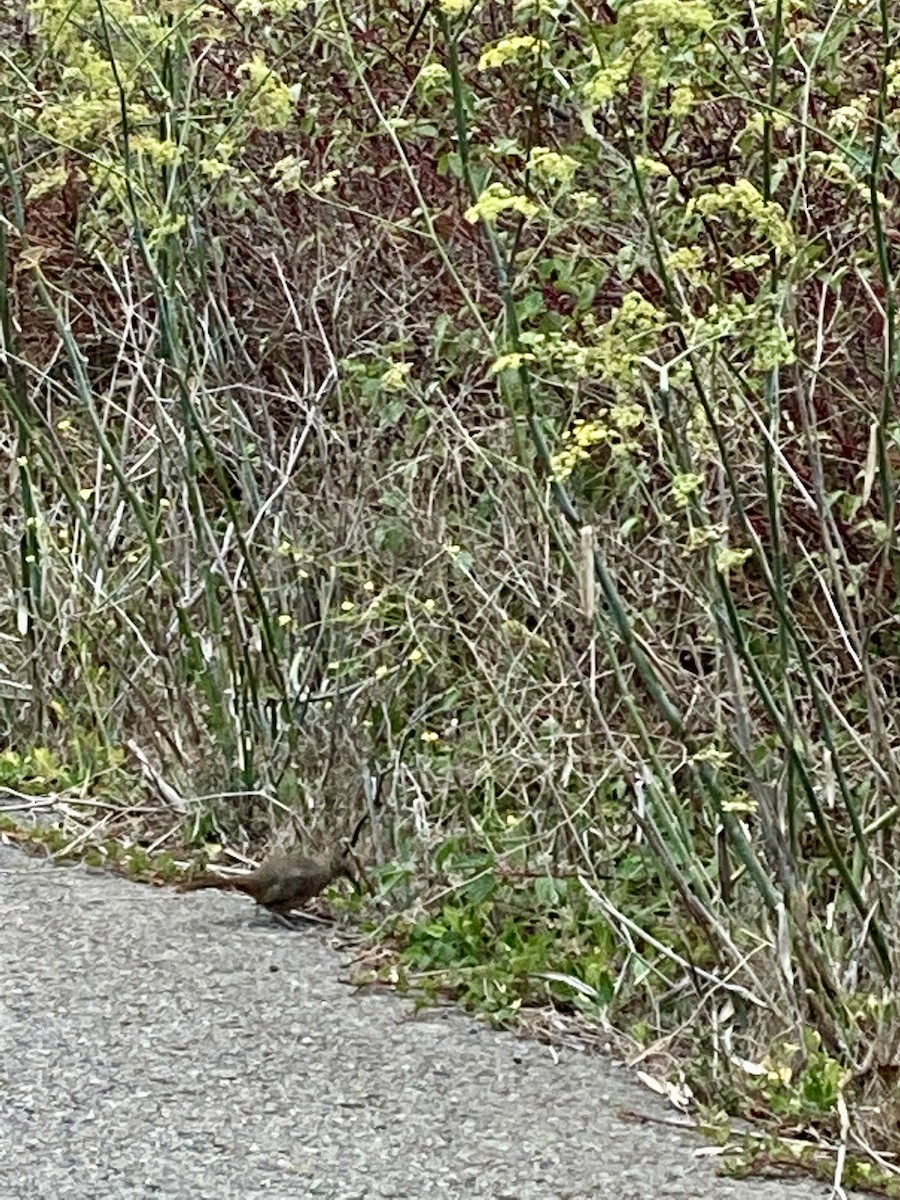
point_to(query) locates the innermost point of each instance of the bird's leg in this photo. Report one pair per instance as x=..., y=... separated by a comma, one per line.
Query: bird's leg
x=283, y=920
x=296, y=921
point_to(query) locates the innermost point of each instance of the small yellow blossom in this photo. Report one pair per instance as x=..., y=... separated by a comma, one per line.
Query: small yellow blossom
x=288, y=174
x=165, y=229
x=268, y=99
x=726, y=559
x=665, y=16
x=627, y=417
x=381, y=670
x=429, y=735
x=415, y=656
x=523, y=9
x=46, y=182
x=743, y=199
x=368, y=586
x=685, y=486
x=847, y=117
x=608, y=82
x=497, y=199
x=511, y=362
x=432, y=75
x=686, y=259
x=650, y=166
x=681, y=102
x=509, y=48
x=704, y=535
x=740, y=803
x=396, y=377
x=164, y=153
x=551, y=167
x=284, y=619
x=584, y=201
x=773, y=347
x=577, y=442
x=213, y=168
x=712, y=754
x=347, y=606
x=327, y=183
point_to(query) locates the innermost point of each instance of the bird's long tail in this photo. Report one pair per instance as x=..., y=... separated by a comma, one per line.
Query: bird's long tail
x=208, y=880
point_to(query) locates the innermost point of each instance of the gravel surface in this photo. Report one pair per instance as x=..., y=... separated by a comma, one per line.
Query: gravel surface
x=159, y=1045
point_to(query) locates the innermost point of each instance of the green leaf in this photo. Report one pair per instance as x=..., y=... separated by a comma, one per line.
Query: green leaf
x=477, y=890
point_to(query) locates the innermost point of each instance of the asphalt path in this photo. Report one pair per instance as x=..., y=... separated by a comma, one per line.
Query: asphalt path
x=179, y=1046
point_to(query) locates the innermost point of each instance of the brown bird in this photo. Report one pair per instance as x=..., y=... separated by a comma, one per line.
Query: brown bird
x=282, y=884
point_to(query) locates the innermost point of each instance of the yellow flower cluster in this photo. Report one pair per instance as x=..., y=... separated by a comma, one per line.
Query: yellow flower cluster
x=744, y=201
x=613, y=350
x=727, y=559
x=527, y=9
x=577, y=442
x=667, y=16
x=159, y=153
x=432, y=75
x=682, y=101
x=773, y=347
x=564, y=354
x=847, y=118
x=551, y=167
x=626, y=417
x=609, y=81
x=585, y=202
x=655, y=33
x=511, y=362
x=396, y=377
x=269, y=100
x=288, y=173
x=686, y=259
x=700, y=536
x=685, y=486
x=752, y=326
x=509, y=48
x=84, y=119
x=650, y=166
x=622, y=420
x=497, y=199
x=629, y=334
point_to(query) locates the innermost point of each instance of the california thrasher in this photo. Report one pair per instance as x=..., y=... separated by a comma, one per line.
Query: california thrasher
x=283, y=883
